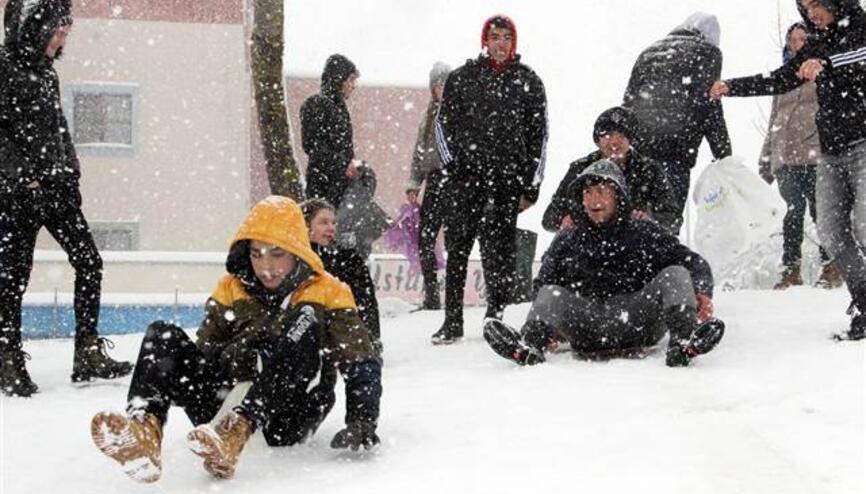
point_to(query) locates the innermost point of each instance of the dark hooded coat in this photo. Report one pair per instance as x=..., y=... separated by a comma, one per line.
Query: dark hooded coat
x=360, y=219
x=668, y=93
x=35, y=143
x=841, y=116
x=326, y=133
x=620, y=257
x=650, y=191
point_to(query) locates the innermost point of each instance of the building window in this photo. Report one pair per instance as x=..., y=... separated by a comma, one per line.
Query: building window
x=102, y=117
x=115, y=235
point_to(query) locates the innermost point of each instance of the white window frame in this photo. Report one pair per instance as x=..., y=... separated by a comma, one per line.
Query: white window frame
x=131, y=227
x=106, y=148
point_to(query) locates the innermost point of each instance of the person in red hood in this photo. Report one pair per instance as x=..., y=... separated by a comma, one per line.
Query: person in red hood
x=491, y=134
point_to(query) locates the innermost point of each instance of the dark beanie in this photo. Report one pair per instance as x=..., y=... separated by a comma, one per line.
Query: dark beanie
x=839, y=8
x=616, y=119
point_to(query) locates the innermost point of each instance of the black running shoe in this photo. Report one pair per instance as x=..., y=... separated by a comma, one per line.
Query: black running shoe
x=505, y=341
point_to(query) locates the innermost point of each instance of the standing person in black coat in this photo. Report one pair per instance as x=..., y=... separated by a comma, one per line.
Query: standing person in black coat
x=344, y=263
x=651, y=193
x=667, y=91
x=491, y=133
x=427, y=167
x=39, y=175
x=834, y=58
x=613, y=283
x=326, y=132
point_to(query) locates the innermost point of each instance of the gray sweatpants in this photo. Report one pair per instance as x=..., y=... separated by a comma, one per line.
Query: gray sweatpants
x=841, y=199
x=624, y=321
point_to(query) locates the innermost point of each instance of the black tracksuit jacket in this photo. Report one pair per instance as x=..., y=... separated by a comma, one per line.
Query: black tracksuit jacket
x=841, y=116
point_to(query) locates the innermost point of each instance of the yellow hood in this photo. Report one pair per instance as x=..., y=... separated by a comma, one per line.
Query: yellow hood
x=278, y=220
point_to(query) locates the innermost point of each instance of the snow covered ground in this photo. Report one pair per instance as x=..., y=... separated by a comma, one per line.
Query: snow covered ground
x=777, y=408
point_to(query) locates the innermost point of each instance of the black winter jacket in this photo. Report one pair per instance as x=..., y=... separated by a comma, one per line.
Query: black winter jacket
x=841, y=116
x=647, y=183
x=35, y=143
x=494, y=126
x=668, y=93
x=621, y=257
x=326, y=134
x=350, y=268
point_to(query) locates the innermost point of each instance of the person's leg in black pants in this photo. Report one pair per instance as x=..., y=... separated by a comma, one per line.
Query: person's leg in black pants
x=64, y=220
x=461, y=226
x=19, y=226
x=793, y=183
x=66, y=223
x=679, y=175
x=171, y=370
x=498, y=242
x=432, y=218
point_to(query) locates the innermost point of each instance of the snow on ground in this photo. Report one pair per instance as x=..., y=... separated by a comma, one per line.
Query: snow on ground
x=777, y=408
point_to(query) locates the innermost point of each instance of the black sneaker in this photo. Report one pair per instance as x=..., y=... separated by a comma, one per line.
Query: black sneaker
x=92, y=362
x=505, y=341
x=707, y=335
x=704, y=338
x=449, y=333
x=14, y=378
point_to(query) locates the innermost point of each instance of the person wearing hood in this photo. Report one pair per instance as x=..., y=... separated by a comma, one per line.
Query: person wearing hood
x=667, y=91
x=834, y=58
x=326, y=132
x=491, y=132
x=276, y=305
x=652, y=196
x=347, y=264
x=791, y=153
x=427, y=168
x=39, y=186
x=614, y=283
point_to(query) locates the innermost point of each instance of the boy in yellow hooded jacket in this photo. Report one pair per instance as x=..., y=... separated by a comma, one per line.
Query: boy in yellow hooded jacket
x=277, y=305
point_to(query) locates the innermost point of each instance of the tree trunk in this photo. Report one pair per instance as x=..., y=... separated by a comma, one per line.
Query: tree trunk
x=267, y=72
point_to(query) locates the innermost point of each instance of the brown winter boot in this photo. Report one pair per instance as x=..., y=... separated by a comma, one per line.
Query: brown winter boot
x=135, y=443
x=790, y=277
x=830, y=277
x=221, y=446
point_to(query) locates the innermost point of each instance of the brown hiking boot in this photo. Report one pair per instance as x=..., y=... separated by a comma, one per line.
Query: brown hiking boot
x=134, y=443
x=221, y=446
x=790, y=277
x=830, y=277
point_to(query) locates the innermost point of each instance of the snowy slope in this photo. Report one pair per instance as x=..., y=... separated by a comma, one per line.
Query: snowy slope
x=777, y=408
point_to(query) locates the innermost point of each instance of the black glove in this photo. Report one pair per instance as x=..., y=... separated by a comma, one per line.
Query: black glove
x=355, y=435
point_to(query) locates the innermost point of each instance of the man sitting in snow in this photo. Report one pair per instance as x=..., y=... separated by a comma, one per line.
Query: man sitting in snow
x=278, y=304
x=614, y=283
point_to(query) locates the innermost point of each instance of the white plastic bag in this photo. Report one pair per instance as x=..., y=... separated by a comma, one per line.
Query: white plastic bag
x=739, y=223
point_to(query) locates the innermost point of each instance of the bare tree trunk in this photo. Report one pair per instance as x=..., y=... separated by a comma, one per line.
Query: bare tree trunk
x=267, y=72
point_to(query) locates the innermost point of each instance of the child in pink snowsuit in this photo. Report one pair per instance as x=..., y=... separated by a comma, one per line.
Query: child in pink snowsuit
x=403, y=235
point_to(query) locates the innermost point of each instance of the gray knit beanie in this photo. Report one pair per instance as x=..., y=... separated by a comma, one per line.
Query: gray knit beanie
x=439, y=73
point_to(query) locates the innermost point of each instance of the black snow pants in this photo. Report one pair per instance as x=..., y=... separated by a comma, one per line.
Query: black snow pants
x=171, y=370
x=22, y=213
x=433, y=210
x=480, y=210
